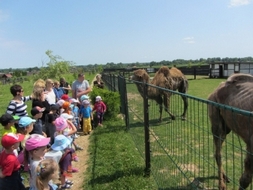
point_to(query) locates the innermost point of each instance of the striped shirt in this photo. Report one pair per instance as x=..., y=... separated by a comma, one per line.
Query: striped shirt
x=18, y=108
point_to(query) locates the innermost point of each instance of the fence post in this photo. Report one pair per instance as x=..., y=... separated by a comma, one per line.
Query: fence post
x=146, y=129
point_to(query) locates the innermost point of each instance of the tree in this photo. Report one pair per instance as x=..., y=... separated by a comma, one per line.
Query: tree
x=56, y=67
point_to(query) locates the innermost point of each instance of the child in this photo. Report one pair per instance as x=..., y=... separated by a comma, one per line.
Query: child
x=37, y=113
x=50, y=118
x=46, y=171
x=75, y=112
x=35, y=149
x=10, y=178
x=25, y=126
x=100, y=109
x=86, y=115
x=61, y=143
x=7, y=121
x=70, y=118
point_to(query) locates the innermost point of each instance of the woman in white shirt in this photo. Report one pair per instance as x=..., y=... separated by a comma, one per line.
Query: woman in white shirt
x=49, y=91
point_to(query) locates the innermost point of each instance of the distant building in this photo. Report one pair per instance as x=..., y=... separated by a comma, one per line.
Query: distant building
x=6, y=78
x=225, y=69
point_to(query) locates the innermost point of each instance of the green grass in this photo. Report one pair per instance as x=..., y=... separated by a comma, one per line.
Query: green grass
x=182, y=151
x=114, y=161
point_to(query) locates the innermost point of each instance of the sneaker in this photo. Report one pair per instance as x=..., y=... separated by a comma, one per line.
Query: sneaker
x=66, y=186
x=76, y=136
x=75, y=159
x=67, y=181
x=79, y=148
x=74, y=170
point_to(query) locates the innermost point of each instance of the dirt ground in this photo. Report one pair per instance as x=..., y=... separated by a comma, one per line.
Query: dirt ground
x=83, y=156
x=81, y=165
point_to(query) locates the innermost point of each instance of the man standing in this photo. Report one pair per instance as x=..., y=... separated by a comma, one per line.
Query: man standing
x=80, y=87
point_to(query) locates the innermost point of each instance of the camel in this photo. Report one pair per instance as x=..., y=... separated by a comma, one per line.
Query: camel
x=237, y=92
x=172, y=79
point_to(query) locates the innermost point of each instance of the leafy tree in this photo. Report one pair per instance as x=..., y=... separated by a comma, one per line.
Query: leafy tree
x=56, y=67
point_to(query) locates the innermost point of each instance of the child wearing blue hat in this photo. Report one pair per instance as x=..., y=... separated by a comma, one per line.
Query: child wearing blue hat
x=25, y=126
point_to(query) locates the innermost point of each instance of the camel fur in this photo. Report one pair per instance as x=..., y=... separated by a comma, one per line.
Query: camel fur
x=172, y=79
x=237, y=92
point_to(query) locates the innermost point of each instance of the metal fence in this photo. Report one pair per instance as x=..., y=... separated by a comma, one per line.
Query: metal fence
x=179, y=153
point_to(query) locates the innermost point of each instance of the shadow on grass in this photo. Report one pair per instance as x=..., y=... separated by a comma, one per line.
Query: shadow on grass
x=118, y=174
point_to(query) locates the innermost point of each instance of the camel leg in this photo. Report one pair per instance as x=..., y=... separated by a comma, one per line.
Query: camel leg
x=185, y=100
x=219, y=131
x=166, y=102
x=159, y=101
x=246, y=177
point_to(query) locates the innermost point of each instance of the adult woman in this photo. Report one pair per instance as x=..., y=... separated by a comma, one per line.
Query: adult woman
x=17, y=105
x=59, y=91
x=49, y=91
x=98, y=82
x=65, y=85
x=39, y=99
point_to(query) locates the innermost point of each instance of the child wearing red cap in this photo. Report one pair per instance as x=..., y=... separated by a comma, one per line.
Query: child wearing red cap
x=9, y=165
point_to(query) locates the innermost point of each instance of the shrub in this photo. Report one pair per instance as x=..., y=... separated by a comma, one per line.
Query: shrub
x=111, y=100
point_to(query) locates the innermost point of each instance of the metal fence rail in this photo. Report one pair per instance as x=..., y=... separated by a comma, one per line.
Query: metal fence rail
x=182, y=152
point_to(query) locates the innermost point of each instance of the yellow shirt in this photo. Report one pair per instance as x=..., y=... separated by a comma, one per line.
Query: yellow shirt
x=4, y=131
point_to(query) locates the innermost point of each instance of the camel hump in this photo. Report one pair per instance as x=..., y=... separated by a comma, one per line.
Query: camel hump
x=240, y=78
x=164, y=70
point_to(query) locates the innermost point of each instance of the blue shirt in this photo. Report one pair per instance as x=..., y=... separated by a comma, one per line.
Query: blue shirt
x=86, y=112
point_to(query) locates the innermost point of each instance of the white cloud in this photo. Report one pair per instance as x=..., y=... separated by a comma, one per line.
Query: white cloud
x=3, y=16
x=189, y=40
x=236, y=3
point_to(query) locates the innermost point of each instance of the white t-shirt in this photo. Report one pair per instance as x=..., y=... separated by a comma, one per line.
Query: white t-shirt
x=50, y=97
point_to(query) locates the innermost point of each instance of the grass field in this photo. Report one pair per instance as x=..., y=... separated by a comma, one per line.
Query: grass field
x=182, y=151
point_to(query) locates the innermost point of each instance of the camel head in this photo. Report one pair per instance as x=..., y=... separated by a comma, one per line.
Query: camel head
x=140, y=75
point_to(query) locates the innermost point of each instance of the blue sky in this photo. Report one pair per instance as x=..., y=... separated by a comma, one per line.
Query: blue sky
x=127, y=31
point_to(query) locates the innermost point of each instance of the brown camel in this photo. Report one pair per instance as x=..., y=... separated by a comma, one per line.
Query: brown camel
x=237, y=92
x=172, y=79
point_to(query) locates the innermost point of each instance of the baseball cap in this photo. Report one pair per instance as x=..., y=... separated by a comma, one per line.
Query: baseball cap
x=86, y=102
x=60, y=142
x=65, y=105
x=67, y=116
x=98, y=98
x=60, y=102
x=8, y=118
x=55, y=107
x=60, y=123
x=25, y=121
x=84, y=97
x=35, y=110
x=65, y=97
x=10, y=139
x=36, y=141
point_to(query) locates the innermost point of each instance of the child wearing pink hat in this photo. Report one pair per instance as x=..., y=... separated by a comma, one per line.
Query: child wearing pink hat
x=35, y=149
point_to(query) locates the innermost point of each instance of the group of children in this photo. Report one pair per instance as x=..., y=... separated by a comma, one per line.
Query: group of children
x=44, y=152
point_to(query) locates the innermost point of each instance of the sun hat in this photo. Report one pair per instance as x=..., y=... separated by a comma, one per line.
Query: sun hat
x=65, y=97
x=35, y=110
x=10, y=139
x=65, y=105
x=60, y=142
x=36, y=141
x=73, y=100
x=98, y=98
x=60, y=123
x=25, y=121
x=86, y=102
x=60, y=102
x=8, y=118
x=66, y=116
x=84, y=97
